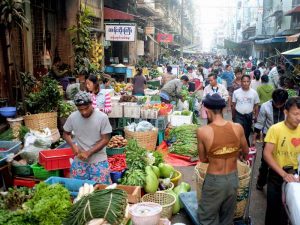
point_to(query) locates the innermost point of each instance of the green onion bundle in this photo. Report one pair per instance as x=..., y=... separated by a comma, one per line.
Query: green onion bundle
x=107, y=204
x=185, y=137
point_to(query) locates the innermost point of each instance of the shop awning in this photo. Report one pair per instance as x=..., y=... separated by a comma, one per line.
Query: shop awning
x=113, y=14
x=293, y=11
x=292, y=52
x=271, y=40
x=292, y=38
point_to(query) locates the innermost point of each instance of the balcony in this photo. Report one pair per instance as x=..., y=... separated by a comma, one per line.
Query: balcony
x=146, y=7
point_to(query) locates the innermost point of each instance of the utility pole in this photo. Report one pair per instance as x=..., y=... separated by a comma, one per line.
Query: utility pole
x=181, y=28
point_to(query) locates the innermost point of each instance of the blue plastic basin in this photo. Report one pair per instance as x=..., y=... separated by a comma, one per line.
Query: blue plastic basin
x=8, y=111
x=109, y=69
x=116, y=176
x=120, y=69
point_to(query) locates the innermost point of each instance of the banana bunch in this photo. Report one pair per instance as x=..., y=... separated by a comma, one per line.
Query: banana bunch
x=119, y=87
x=96, y=53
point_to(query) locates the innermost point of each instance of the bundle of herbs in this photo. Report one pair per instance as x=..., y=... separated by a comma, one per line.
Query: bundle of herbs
x=184, y=140
x=107, y=204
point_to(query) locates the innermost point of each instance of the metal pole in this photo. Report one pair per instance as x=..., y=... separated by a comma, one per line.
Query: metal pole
x=181, y=28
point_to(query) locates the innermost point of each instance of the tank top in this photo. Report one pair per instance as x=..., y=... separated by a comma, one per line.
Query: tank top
x=225, y=142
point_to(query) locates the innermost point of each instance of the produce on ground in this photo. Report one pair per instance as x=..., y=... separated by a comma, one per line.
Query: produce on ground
x=117, y=162
x=166, y=170
x=182, y=188
x=117, y=141
x=151, y=184
x=134, y=177
x=184, y=140
x=186, y=113
x=85, y=190
x=135, y=155
x=107, y=204
x=176, y=206
x=50, y=204
x=15, y=197
x=164, y=184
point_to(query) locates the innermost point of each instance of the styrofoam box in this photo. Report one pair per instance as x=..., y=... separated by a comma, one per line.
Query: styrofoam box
x=178, y=120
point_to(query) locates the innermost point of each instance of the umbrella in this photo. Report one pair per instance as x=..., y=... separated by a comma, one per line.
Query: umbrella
x=293, y=52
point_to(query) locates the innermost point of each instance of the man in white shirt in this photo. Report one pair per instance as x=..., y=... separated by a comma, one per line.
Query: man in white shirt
x=274, y=75
x=214, y=87
x=245, y=101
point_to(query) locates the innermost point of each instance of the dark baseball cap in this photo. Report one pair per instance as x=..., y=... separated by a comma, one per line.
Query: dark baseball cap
x=82, y=98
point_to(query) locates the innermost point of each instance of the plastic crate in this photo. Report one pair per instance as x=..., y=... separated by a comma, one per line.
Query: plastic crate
x=11, y=146
x=24, y=183
x=178, y=120
x=116, y=111
x=132, y=110
x=71, y=184
x=123, y=122
x=161, y=122
x=24, y=170
x=40, y=173
x=56, y=159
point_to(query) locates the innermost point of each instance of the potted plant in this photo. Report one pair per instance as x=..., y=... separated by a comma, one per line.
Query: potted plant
x=65, y=109
x=42, y=104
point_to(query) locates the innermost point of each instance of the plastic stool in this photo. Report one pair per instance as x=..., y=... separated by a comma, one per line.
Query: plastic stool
x=161, y=136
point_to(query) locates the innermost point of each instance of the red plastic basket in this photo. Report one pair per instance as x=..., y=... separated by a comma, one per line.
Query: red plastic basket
x=56, y=159
x=24, y=183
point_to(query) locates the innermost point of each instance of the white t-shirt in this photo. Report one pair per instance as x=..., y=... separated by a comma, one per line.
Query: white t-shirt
x=245, y=100
x=255, y=84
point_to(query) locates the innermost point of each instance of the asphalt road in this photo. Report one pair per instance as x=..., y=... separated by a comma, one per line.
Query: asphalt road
x=257, y=204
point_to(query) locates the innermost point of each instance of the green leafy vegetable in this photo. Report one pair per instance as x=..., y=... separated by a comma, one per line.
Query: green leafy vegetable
x=134, y=177
x=135, y=155
x=159, y=158
x=185, y=137
x=50, y=204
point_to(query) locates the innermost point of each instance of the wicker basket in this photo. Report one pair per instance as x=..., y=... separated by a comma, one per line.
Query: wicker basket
x=41, y=120
x=244, y=173
x=55, y=135
x=145, y=139
x=166, y=200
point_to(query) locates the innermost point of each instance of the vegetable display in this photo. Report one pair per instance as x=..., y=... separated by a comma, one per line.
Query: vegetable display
x=134, y=177
x=117, y=141
x=135, y=155
x=15, y=197
x=50, y=204
x=107, y=204
x=184, y=140
x=128, y=98
x=117, y=162
x=151, y=184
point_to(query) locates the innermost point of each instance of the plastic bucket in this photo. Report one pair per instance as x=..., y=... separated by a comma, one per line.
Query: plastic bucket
x=116, y=176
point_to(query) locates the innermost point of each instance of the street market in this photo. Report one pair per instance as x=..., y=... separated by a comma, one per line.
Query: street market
x=112, y=114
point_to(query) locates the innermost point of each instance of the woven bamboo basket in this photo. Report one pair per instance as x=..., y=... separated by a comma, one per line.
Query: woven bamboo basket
x=145, y=139
x=166, y=200
x=244, y=174
x=41, y=120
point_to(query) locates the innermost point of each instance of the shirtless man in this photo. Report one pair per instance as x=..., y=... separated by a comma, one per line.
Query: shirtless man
x=219, y=145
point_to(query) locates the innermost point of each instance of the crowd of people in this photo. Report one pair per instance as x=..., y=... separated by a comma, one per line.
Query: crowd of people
x=263, y=102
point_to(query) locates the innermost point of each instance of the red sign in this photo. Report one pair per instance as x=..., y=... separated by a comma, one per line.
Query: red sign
x=165, y=38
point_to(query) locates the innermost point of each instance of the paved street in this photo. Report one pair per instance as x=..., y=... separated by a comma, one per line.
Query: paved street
x=258, y=198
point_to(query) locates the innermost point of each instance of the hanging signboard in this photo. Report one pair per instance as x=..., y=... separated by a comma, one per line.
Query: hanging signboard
x=165, y=38
x=149, y=30
x=119, y=32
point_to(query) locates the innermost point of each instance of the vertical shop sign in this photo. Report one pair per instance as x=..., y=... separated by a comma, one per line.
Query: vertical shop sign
x=119, y=32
